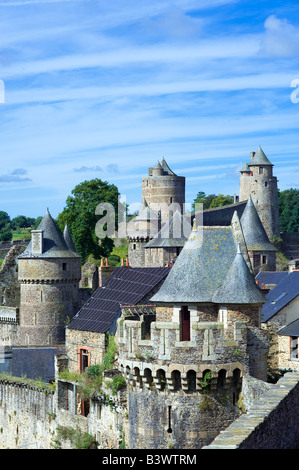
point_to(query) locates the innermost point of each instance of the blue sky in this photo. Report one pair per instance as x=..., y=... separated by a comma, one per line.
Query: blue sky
x=97, y=89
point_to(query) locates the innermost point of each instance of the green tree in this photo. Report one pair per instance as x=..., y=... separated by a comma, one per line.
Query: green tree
x=212, y=201
x=5, y=227
x=288, y=202
x=79, y=215
x=21, y=221
x=221, y=200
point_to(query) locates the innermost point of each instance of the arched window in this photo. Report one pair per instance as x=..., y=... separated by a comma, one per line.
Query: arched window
x=148, y=378
x=221, y=379
x=236, y=385
x=162, y=378
x=191, y=380
x=176, y=380
x=206, y=380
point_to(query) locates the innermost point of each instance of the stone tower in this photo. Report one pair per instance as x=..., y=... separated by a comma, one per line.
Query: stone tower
x=163, y=187
x=163, y=194
x=257, y=181
x=49, y=273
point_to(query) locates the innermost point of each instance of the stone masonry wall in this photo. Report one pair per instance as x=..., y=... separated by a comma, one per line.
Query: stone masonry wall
x=25, y=416
x=271, y=422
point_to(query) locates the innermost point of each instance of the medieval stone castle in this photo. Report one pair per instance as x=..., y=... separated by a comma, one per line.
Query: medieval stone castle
x=186, y=312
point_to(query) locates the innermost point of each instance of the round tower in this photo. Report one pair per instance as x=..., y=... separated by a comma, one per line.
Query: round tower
x=257, y=181
x=49, y=273
x=163, y=190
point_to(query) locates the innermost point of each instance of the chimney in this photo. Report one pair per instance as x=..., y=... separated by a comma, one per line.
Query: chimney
x=107, y=265
x=252, y=155
x=127, y=261
x=37, y=242
x=122, y=262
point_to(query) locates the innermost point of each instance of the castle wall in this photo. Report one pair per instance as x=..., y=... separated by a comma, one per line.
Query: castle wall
x=271, y=422
x=26, y=414
x=175, y=421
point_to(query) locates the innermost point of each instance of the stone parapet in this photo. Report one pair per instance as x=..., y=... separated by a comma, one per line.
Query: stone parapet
x=271, y=422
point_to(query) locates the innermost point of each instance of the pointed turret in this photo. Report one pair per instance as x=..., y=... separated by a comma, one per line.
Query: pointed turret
x=255, y=235
x=259, y=158
x=245, y=168
x=239, y=286
x=50, y=241
x=166, y=168
x=68, y=239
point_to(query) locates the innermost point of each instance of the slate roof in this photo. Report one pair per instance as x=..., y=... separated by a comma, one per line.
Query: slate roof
x=54, y=244
x=125, y=286
x=239, y=286
x=174, y=233
x=201, y=267
x=271, y=277
x=286, y=291
x=255, y=235
x=260, y=158
x=166, y=168
x=292, y=329
x=221, y=216
x=245, y=168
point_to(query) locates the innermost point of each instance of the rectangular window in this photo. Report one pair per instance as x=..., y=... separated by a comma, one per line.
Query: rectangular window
x=223, y=316
x=64, y=266
x=294, y=347
x=185, y=324
x=84, y=359
x=261, y=170
x=264, y=259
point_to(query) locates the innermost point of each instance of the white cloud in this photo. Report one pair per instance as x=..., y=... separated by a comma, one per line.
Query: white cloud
x=281, y=38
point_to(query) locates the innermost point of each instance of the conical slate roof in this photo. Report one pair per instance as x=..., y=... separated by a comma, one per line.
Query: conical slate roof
x=68, y=239
x=146, y=213
x=166, y=167
x=200, y=268
x=245, y=168
x=260, y=159
x=54, y=244
x=239, y=286
x=255, y=235
x=173, y=233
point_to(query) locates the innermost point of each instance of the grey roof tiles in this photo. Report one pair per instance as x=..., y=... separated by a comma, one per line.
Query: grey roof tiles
x=54, y=244
x=254, y=233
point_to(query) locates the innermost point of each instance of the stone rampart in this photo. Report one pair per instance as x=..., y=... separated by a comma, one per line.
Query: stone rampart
x=26, y=416
x=271, y=422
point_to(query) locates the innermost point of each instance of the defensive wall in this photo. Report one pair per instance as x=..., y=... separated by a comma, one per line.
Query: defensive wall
x=30, y=416
x=271, y=422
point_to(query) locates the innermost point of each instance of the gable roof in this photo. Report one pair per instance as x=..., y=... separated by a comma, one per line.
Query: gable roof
x=292, y=329
x=125, y=286
x=284, y=293
x=54, y=243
